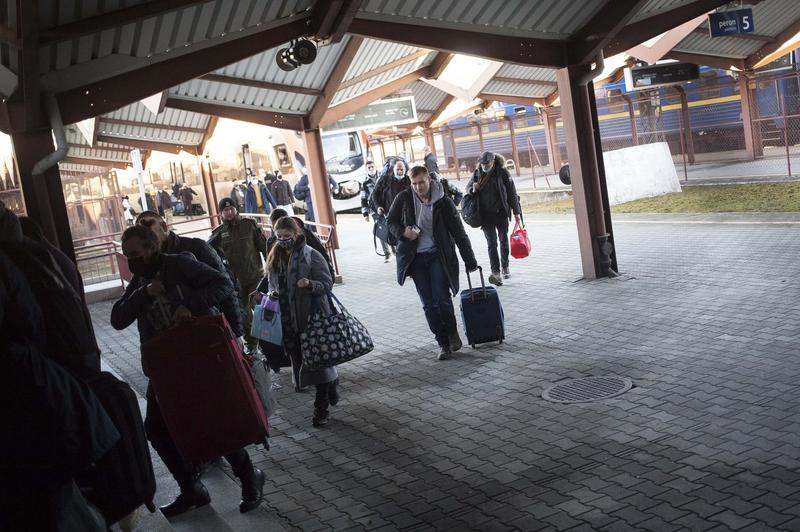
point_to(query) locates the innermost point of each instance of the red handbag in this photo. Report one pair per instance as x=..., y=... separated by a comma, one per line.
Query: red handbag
x=520, y=243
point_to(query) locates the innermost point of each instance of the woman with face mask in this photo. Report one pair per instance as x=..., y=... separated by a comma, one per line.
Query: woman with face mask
x=301, y=278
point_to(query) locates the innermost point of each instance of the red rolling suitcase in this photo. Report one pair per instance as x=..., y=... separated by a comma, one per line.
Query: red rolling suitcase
x=204, y=389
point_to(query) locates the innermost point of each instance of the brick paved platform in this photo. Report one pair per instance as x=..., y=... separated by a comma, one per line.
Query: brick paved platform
x=705, y=321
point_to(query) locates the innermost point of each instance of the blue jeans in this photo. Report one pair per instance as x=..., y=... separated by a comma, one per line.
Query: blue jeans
x=434, y=292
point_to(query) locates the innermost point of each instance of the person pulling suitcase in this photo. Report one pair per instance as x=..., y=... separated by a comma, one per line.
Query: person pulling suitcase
x=428, y=229
x=167, y=289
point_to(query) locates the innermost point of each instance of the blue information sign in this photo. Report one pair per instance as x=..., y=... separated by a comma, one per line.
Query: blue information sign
x=731, y=22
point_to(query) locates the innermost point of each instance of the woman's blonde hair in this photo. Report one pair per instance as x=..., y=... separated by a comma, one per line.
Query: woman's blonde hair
x=279, y=256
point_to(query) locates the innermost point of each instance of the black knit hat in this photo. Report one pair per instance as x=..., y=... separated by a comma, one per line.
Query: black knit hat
x=226, y=202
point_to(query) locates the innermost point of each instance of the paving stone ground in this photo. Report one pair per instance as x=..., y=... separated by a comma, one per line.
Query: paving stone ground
x=705, y=321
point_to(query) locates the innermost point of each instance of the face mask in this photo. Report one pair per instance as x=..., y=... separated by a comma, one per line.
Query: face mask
x=485, y=168
x=398, y=175
x=138, y=266
x=371, y=173
x=286, y=243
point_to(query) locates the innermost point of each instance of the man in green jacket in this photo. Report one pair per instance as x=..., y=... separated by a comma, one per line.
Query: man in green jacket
x=242, y=243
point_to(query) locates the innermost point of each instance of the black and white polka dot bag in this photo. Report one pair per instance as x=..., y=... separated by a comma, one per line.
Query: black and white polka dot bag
x=333, y=339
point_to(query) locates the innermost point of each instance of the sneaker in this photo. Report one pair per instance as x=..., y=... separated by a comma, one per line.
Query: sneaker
x=495, y=279
x=444, y=353
x=506, y=273
x=320, y=418
x=455, y=342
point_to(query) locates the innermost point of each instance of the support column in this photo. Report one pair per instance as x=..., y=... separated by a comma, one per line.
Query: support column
x=514, y=153
x=687, y=125
x=43, y=194
x=551, y=138
x=455, y=153
x=211, y=193
x=430, y=141
x=480, y=135
x=632, y=118
x=318, y=181
x=585, y=154
x=752, y=132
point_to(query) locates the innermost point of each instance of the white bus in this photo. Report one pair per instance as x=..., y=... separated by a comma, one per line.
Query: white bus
x=345, y=159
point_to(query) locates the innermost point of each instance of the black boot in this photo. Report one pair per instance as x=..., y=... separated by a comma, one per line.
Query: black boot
x=333, y=393
x=252, y=490
x=192, y=496
x=320, y=418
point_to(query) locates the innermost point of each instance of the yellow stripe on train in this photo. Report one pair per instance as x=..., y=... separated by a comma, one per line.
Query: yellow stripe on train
x=601, y=118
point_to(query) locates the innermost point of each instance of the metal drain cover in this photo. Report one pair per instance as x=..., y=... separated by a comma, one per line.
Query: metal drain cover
x=587, y=389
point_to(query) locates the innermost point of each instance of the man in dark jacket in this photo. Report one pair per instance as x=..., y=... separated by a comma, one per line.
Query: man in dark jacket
x=497, y=201
x=428, y=228
x=389, y=185
x=368, y=209
x=302, y=191
x=173, y=244
x=186, y=198
x=282, y=192
x=167, y=289
x=243, y=243
x=431, y=164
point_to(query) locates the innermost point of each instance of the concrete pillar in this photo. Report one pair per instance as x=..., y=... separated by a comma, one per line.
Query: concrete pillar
x=551, y=138
x=43, y=194
x=752, y=132
x=318, y=181
x=585, y=153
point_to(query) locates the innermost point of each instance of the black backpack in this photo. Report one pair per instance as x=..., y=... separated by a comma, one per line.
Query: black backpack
x=470, y=210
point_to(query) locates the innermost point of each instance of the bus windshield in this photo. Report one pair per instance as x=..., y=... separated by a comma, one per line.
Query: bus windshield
x=342, y=152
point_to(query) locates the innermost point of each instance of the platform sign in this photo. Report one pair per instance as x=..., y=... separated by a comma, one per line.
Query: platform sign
x=382, y=113
x=729, y=23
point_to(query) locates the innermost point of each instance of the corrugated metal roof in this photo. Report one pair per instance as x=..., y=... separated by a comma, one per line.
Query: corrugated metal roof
x=373, y=54
x=426, y=97
x=654, y=7
x=124, y=131
x=518, y=89
x=83, y=168
x=172, y=117
x=556, y=19
x=78, y=147
x=526, y=72
x=262, y=67
x=770, y=18
x=381, y=79
x=177, y=29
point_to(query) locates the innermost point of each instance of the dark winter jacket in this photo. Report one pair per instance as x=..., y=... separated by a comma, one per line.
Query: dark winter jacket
x=250, y=203
x=187, y=282
x=387, y=189
x=500, y=186
x=243, y=243
x=450, y=190
x=186, y=196
x=431, y=164
x=367, y=187
x=302, y=190
x=204, y=253
x=282, y=192
x=448, y=232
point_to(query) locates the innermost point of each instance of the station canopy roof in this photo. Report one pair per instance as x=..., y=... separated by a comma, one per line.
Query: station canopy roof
x=155, y=74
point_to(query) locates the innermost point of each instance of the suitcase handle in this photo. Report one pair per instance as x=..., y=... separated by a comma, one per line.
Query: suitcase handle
x=483, y=285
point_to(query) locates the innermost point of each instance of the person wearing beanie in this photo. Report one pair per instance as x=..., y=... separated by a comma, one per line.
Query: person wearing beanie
x=243, y=243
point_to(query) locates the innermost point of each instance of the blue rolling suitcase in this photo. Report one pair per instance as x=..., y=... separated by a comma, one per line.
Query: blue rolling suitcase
x=482, y=313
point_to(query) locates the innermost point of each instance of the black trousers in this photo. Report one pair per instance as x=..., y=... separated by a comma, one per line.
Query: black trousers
x=321, y=401
x=184, y=474
x=495, y=228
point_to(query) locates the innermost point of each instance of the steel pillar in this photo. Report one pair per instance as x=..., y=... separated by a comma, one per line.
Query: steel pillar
x=318, y=181
x=43, y=194
x=430, y=141
x=584, y=151
x=632, y=118
x=687, y=125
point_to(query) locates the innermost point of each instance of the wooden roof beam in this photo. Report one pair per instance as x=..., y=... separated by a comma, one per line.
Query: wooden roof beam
x=111, y=19
x=526, y=81
x=147, y=144
x=645, y=29
x=772, y=47
x=439, y=110
x=331, y=18
x=519, y=100
x=588, y=41
x=253, y=115
x=117, y=91
x=439, y=64
x=334, y=81
x=383, y=68
x=212, y=125
x=522, y=50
